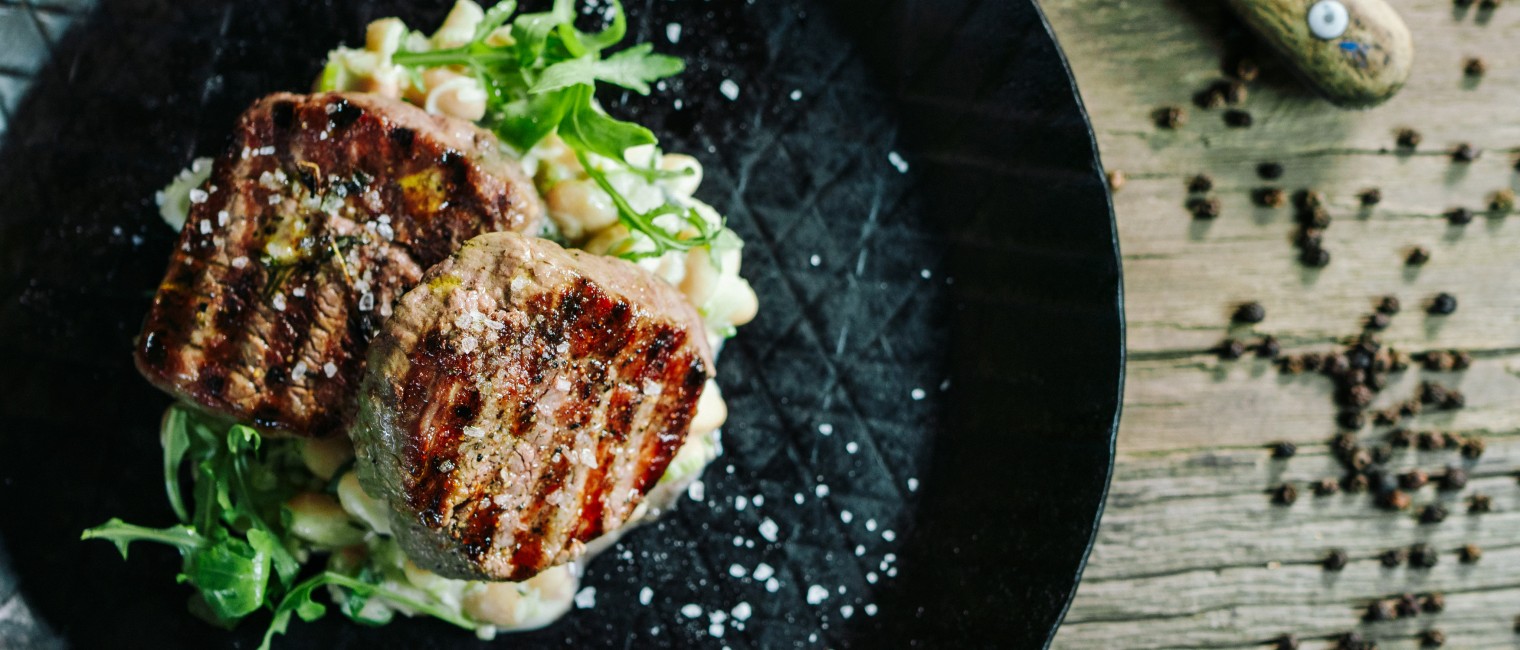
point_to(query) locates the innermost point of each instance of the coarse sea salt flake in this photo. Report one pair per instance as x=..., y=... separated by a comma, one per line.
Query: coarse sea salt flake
x=737, y=571
x=697, y=490
x=299, y=372
x=729, y=89
x=740, y=503
x=299, y=292
x=851, y=447
x=816, y=595
x=646, y=595
x=586, y=598
x=239, y=262
x=562, y=383
x=871, y=524
x=769, y=529
x=846, y=611
x=742, y=611
x=912, y=485
x=917, y=394
x=897, y=161
x=329, y=369
x=871, y=609
x=366, y=301
x=822, y=490
x=691, y=610
x=772, y=585
x=796, y=95
x=888, y=535
x=278, y=302
x=222, y=217
x=473, y=431
x=846, y=516
x=205, y=227
x=815, y=260
x=759, y=500
x=826, y=429
x=763, y=571
x=673, y=32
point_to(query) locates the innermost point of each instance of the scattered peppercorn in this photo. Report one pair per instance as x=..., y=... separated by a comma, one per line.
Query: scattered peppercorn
x=1437, y=360
x=1231, y=349
x=1470, y=553
x=1235, y=92
x=1204, y=208
x=1455, y=400
x=1378, y=321
x=1358, y=397
x=1408, y=606
x=1286, y=642
x=1315, y=257
x=1443, y=304
x=1284, y=450
x=1409, y=138
x=1502, y=201
x=1465, y=153
x=1200, y=183
x=1285, y=494
x=1459, y=216
x=1429, y=441
x=1371, y=196
x=1386, y=417
x=1249, y=312
x=1400, y=437
x=1326, y=487
x=1433, y=602
x=1461, y=360
x=1480, y=503
x=1434, y=513
x=1432, y=638
x=1474, y=67
x=1421, y=556
x=1394, y=500
x=1246, y=69
x=1418, y=256
x=1353, y=420
x=1473, y=448
x=1393, y=557
x=1268, y=347
x=1269, y=170
x=1335, y=560
x=1413, y=479
x=1454, y=479
x=1270, y=197
x=1170, y=117
x=1452, y=440
x=1380, y=610
x=1209, y=98
x=1489, y=5
x=1116, y=180
x=1381, y=454
x=1238, y=118
x=1350, y=641
x=1357, y=483
x=1462, y=3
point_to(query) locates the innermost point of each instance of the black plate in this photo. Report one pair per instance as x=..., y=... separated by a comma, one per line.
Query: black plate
x=956, y=323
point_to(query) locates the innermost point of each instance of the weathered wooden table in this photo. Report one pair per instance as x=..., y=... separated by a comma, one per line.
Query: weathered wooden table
x=1192, y=553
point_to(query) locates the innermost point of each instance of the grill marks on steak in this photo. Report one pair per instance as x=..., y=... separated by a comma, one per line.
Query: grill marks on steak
x=522, y=401
x=322, y=212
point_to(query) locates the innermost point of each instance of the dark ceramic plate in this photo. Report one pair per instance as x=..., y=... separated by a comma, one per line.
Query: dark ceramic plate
x=940, y=339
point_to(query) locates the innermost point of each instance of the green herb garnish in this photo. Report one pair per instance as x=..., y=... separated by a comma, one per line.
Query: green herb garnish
x=544, y=81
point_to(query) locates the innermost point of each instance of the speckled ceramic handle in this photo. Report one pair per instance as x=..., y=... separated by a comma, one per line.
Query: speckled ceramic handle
x=1357, y=53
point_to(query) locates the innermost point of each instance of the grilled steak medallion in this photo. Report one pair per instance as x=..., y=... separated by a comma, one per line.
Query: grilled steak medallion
x=521, y=401
x=323, y=210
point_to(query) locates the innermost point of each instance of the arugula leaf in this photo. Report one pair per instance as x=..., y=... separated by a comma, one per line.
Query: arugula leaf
x=531, y=31
x=299, y=603
x=525, y=122
x=610, y=36
x=175, y=440
x=123, y=534
x=633, y=68
x=494, y=18
x=587, y=129
x=643, y=222
x=231, y=575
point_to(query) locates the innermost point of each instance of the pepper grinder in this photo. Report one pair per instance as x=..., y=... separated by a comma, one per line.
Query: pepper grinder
x=1355, y=53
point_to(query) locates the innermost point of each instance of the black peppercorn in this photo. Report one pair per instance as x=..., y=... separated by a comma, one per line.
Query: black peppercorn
x=1465, y=153
x=1357, y=483
x=1418, y=256
x=1249, y=312
x=1432, y=393
x=1474, y=67
x=1170, y=117
x=1460, y=360
x=1381, y=453
x=1378, y=321
x=1270, y=197
x=1380, y=610
x=1470, y=553
x=1350, y=641
x=1285, y=494
x=1407, y=605
x=1473, y=448
x=1432, y=638
x=1388, y=305
x=1284, y=450
x=1437, y=360
x=1246, y=69
x=1357, y=397
x=1316, y=217
x=1353, y=420
x=1443, y=304
x=1286, y=642
x=1454, y=479
x=1335, y=365
x=1413, y=479
x=1208, y=208
x=1400, y=438
x=1489, y=5
x=1463, y=4
x=1386, y=417
x=1459, y=216
x=1308, y=199
x=1326, y=487
x=1269, y=170
x=1393, y=557
x=1423, y=557
x=1454, y=400
x=1237, y=118
x=1430, y=441
x=1452, y=440
x=1433, y=602
x=1234, y=92
x=1268, y=347
x=1410, y=407
x=1343, y=445
x=1314, y=257
x=1231, y=349
x=1480, y=503
x=1335, y=560
x=1408, y=138
x=1502, y=201
x=1200, y=183
x=1371, y=196
x=1394, y=500
x=1209, y=98
x=1434, y=513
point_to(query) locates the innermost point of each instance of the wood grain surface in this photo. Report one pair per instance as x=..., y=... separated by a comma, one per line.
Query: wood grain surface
x=1191, y=552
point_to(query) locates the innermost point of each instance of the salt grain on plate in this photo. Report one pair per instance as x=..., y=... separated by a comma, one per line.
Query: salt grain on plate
x=736, y=571
x=888, y=535
x=763, y=571
x=871, y=609
x=673, y=32
x=871, y=577
x=769, y=529
x=759, y=500
x=691, y=610
x=716, y=630
x=918, y=393
x=822, y=490
x=278, y=301
x=798, y=498
x=897, y=161
x=871, y=524
x=912, y=485
x=815, y=260
x=646, y=595
x=816, y=595
x=860, y=550
x=846, y=611
x=742, y=611
x=586, y=598
x=329, y=369
x=796, y=95
x=740, y=503
x=738, y=541
x=729, y=89
x=851, y=447
x=772, y=585
x=826, y=429
x=846, y=516
x=697, y=490
x=925, y=274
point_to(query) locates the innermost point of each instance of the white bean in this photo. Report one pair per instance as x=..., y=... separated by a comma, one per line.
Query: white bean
x=323, y=456
x=384, y=36
x=701, y=277
x=317, y=518
x=497, y=603
x=682, y=185
x=712, y=411
x=459, y=26
x=580, y=208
